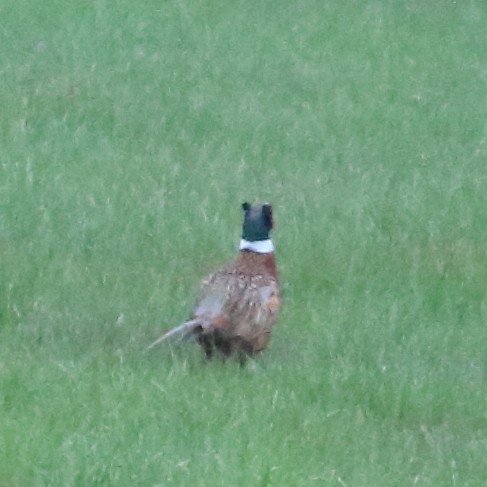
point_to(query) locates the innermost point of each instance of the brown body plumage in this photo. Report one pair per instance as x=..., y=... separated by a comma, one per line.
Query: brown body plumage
x=238, y=304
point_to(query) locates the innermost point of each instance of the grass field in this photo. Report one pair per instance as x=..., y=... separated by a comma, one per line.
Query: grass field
x=131, y=133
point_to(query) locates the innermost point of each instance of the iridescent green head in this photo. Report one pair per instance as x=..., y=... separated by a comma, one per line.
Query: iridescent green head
x=257, y=222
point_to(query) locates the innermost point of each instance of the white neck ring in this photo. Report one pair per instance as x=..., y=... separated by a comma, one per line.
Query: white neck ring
x=259, y=246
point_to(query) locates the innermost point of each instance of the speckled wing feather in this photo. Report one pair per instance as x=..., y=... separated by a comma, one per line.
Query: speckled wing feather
x=239, y=308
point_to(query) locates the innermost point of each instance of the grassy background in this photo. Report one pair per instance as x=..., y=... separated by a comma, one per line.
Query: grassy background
x=130, y=134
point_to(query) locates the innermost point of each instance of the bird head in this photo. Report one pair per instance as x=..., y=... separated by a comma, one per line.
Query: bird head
x=258, y=221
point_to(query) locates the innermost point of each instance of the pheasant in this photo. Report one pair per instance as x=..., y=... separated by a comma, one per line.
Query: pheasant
x=239, y=303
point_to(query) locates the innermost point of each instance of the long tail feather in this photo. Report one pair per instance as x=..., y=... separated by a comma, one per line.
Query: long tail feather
x=187, y=326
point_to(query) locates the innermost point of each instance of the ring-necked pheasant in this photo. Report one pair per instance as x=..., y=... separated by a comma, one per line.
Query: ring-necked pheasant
x=239, y=303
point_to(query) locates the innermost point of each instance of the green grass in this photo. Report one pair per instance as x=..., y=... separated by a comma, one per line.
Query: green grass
x=130, y=134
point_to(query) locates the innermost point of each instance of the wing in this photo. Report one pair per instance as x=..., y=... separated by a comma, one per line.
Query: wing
x=239, y=304
x=256, y=311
